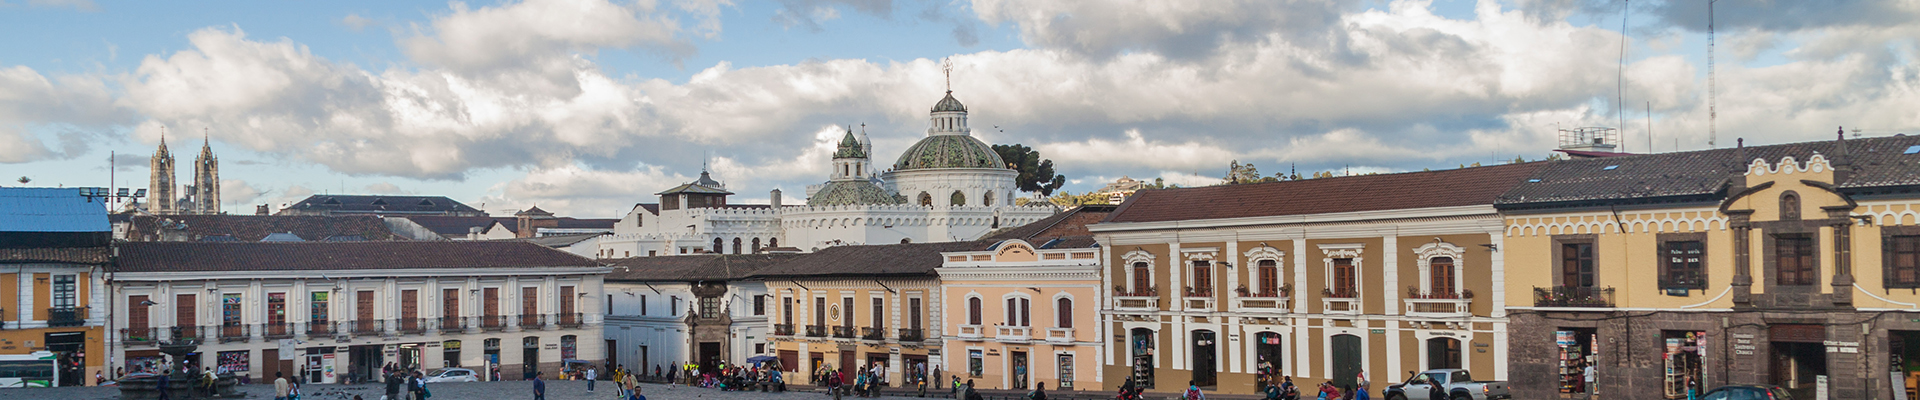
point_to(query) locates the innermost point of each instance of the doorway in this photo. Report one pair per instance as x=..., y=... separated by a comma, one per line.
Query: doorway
x=1346, y=360
x=1267, y=361
x=529, y=357
x=1142, y=346
x=365, y=362
x=1019, y=375
x=1443, y=353
x=1204, y=363
x=1798, y=366
x=71, y=349
x=709, y=356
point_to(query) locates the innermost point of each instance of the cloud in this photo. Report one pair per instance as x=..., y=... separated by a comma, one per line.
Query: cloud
x=541, y=34
x=81, y=5
x=577, y=191
x=387, y=188
x=808, y=14
x=356, y=22
x=1177, y=30
x=239, y=193
x=1188, y=155
x=73, y=110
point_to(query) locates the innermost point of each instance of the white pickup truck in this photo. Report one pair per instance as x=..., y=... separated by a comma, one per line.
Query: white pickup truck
x=1456, y=383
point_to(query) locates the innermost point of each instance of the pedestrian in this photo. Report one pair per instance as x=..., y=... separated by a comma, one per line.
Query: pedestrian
x=672, y=375
x=592, y=375
x=279, y=386
x=1360, y=393
x=393, y=385
x=539, y=388
x=632, y=384
x=972, y=394
x=1039, y=391
x=1589, y=374
x=163, y=385
x=1349, y=394
x=1193, y=392
x=636, y=394
x=419, y=386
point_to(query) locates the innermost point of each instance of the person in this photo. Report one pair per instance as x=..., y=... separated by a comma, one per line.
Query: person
x=1328, y=392
x=419, y=386
x=1589, y=375
x=393, y=384
x=539, y=388
x=1126, y=390
x=593, y=374
x=1272, y=391
x=206, y=381
x=1039, y=391
x=936, y=377
x=634, y=394
x=293, y=389
x=954, y=389
x=632, y=384
x=279, y=386
x=673, y=375
x=1193, y=392
x=1349, y=393
x=1360, y=393
x=972, y=394
x=1435, y=391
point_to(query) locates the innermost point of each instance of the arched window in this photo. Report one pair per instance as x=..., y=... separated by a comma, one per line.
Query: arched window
x=1441, y=276
x=1017, y=312
x=959, y=199
x=719, y=245
x=973, y=311
x=756, y=245
x=773, y=242
x=1269, y=273
x=926, y=199
x=906, y=240
x=1063, y=312
x=736, y=246
x=1142, y=278
x=988, y=200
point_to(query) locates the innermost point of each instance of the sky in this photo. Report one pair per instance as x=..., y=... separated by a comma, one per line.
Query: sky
x=586, y=107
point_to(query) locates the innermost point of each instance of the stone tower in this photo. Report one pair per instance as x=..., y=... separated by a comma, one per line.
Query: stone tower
x=160, y=187
x=206, y=181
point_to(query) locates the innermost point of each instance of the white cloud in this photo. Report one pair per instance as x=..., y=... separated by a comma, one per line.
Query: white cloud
x=535, y=32
x=387, y=188
x=356, y=22
x=241, y=194
x=73, y=110
x=576, y=191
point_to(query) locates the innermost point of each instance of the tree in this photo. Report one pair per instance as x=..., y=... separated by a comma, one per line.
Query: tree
x=1065, y=199
x=1036, y=174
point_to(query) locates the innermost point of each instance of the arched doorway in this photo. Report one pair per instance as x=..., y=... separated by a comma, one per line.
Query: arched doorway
x=1346, y=360
x=1443, y=353
x=1204, y=363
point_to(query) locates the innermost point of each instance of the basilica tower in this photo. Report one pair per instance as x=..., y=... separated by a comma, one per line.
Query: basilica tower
x=160, y=185
x=206, y=181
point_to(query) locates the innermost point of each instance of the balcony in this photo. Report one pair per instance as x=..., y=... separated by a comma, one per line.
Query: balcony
x=1006, y=333
x=912, y=335
x=1340, y=302
x=971, y=332
x=320, y=328
x=1438, y=304
x=1198, y=299
x=843, y=331
x=1566, y=296
x=783, y=329
x=493, y=323
x=186, y=334
x=1060, y=335
x=816, y=331
x=531, y=321
x=570, y=320
x=366, y=327
x=233, y=333
x=66, y=316
x=453, y=324
x=872, y=333
x=413, y=326
x=280, y=330
x=139, y=336
x=1136, y=300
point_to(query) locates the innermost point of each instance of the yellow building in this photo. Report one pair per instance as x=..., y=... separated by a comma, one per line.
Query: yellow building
x=1319, y=280
x=53, y=250
x=859, y=306
x=1792, y=265
x=1027, y=307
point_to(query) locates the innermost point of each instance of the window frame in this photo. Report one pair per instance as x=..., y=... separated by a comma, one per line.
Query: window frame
x=1889, y=252
x=1671, y=242
x=1804, y=247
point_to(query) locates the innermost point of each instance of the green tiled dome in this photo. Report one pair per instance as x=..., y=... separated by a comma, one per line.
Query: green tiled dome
x=949, y=104
x=849, y=148
x=949, y=151
x=852, y=192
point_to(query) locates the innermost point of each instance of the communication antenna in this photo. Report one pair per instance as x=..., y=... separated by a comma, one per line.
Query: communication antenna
x=1620, y=80
x=1713, y=114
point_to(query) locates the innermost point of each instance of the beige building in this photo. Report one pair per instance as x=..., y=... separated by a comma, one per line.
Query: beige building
x=1321, y=280
x=859, y=306
x=1027, y=306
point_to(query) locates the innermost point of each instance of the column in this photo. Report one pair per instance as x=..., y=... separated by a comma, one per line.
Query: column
x=1842, y=281
x=1229, y=335
x=1742, y=285
x=510, y=294
x=1389, y=274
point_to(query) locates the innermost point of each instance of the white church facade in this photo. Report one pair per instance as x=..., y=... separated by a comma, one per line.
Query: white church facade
x=950, y=186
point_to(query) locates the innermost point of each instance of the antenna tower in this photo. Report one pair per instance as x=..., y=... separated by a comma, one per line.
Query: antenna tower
x=1620, y=80
x=1713, y=113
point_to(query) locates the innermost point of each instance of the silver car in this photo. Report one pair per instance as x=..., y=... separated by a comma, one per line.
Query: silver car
x=452, y=375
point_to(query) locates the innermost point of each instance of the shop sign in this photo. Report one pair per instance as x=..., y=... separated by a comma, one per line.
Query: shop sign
x=1377, y=331
x=1563, y=338
x=1743, y=344
x=1842, y=347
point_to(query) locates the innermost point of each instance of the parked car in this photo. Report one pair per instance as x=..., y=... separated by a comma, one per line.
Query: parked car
x=1747, y=392
x=453, y=375
x=1457, y=383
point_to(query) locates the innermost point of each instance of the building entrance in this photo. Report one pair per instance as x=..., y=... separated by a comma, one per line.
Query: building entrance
x=1346, y=360
x=71, y=348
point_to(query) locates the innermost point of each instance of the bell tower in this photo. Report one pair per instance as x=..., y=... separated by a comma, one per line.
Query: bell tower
x=161, y=182
x=206, y=180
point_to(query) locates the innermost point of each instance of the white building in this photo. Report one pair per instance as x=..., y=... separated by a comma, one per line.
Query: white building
x=330, y=310
x=948, y=187
x=674, y=309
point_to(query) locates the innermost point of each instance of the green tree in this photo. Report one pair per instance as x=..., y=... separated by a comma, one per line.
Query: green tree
x=1036, y=174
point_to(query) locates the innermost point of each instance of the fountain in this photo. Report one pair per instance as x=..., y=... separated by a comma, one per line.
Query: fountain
x=180, y=384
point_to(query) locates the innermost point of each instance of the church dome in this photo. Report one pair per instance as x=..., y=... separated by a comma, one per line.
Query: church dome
x=949, y=104
x=949, y=151
x=852, y=192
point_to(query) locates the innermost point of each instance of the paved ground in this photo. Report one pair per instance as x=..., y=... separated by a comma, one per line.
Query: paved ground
x=556, y=390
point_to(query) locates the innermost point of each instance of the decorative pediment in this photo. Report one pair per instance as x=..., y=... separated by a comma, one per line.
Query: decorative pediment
x=1787, y=165
x=1341, y=250
x=1138, y=256
x=1265, y=253
x=1439, y=249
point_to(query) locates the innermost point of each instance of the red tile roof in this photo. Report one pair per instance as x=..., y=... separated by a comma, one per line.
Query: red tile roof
x=64, y=255
x=310, y=256
x=1444, y=188
x=252, y=228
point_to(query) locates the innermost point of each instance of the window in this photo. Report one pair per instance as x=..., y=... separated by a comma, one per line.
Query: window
x=1142, y=278
x=1343, y=278
x=137, y=313
x=719, y=246
x=1576, y=264
x=756, y=245
x=1793, y=255
x=959, y=199
x=450, y=306
x=976, y=362
x=1202, y=279
x=926, y=199
x=643, y=305
x=736, y=246
x=1063, y=312
x=276, y=308
x=184, y=312
x=759, y=348
x=1683, y=265
x=1441, y=274
x=786, y=310
x=759, y=304
x=1017, y=312
x=846, y=312
x=710, y=307
x=567, y=299
x=773, y=242
x=973, y=311
x=879, y=309
x=529, y=302
x=1789, y=206
x=1903, y=261
x=609, y=305
x=230, y=310
x=64, y=287
x=673, y=303
x=913, y=313
x=819, y=311
x=1269, y=272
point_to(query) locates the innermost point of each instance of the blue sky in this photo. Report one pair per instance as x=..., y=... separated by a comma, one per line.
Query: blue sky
x=496, y=103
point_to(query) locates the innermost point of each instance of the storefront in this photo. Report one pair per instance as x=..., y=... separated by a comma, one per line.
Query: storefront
x=1267, y=353
x=450, y=354
x=1577, y=351
x=1685, y=373
x=236, y=362
x=318, y=365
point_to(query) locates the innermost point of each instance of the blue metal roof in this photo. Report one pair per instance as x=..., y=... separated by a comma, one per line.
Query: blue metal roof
x=51, y=210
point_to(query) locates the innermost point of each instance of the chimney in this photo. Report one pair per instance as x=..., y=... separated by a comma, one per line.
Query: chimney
x=775, y=195
x=473, y=233
x=260, y=209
